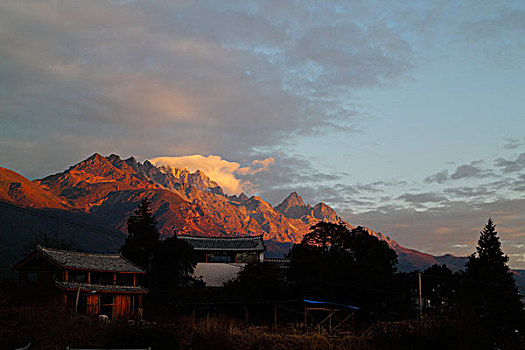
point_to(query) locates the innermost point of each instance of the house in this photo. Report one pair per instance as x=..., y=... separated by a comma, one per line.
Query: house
x=220, y=259
x=91, y=284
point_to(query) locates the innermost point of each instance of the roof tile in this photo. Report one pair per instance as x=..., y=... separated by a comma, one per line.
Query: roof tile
x=89, y=261
x=251, y=243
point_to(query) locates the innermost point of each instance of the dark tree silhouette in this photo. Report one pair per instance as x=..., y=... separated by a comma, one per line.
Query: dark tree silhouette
x=257, y=281
x=439, y=289
x=370, y=254
x=172, y=265
x=492, y=300
x=326, y=235
x=54, y=241
x=334, y=263
x=143, y=236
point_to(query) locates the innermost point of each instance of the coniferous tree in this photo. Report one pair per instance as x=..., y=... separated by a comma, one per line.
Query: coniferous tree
x=492, y=298
x=143, y=236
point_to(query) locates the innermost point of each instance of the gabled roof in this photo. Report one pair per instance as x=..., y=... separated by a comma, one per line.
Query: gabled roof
x=252, y=243
x=87, y=287
x=84, y=261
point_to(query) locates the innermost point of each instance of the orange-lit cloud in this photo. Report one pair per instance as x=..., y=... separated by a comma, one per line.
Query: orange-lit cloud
x=219, y=170
x=442, y=230
x=262, y=165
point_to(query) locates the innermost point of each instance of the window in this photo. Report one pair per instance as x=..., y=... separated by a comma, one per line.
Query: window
x=82, y=278
x=125, y=279
x=219, y=258
x=101, y=278
x=246, y=257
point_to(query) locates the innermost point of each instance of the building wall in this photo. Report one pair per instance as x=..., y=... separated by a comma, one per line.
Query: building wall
x=37, y=277
x=216, y=256
x=216, y=274
x=123, y=306
x=93, y=304
x=36, y=287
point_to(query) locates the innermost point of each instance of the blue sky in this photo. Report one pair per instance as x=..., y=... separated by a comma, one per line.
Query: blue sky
x=406, y=116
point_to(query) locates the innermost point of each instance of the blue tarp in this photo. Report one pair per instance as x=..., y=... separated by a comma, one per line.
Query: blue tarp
x=330, y=303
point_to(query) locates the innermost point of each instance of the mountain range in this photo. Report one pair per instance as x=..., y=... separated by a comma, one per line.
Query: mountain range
x=104, y=191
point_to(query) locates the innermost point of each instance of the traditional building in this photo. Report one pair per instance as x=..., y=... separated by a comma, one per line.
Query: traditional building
x=227, y=249
x=91, y=284
x=220, y=259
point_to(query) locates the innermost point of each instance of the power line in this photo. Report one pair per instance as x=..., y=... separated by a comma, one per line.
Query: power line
x=59, y=219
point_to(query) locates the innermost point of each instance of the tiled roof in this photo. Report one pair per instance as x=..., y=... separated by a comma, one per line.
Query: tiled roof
x=253, y=243
x=87, y=287
x=88, y=261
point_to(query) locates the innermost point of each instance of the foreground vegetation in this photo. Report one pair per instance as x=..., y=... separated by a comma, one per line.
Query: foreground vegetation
x=53, y=327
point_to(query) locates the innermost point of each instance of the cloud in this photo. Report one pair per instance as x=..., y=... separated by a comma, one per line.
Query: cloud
x=218, y=77
x=219, y=170
x=292, y=172
x=466, y=191
x=513, y=143
x=262, y=165
x=420, y=198
x=509, y=166
x=518, y=184
x=497, y=33
x=461, y=245
x=439, y=177
x=471, y=170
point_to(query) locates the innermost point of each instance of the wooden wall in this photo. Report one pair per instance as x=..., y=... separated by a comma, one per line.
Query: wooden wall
x=122, y=306
x=125, y=306
x=93, y=304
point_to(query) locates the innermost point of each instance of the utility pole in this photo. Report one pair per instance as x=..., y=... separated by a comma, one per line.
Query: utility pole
x=420, y=315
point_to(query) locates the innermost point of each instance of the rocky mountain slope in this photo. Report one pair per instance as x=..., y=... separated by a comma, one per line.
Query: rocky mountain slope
x=108, y=189
x=18, y=189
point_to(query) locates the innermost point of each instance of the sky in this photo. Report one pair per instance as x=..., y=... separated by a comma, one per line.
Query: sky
x=405, y=116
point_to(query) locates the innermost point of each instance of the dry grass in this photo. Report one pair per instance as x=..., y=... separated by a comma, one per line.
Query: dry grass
x=54, y=328
x=225, y=333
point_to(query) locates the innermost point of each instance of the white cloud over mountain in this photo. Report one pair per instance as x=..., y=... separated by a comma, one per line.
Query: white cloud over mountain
x=220, y=170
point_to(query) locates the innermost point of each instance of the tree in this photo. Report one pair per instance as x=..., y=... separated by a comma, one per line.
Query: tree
x=326, y=235
x=143, y=236
x=334, y=263
x=492, y=300
x=371, y=255
x=172, y=265
x=257, y=281
x=54, y=241
x=439, y=289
